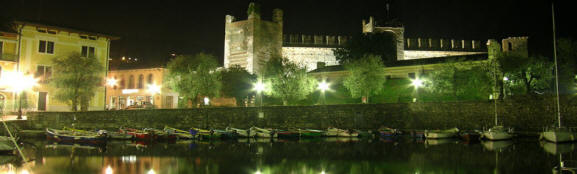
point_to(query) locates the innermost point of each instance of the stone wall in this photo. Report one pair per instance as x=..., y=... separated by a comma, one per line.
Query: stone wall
x=475, y=115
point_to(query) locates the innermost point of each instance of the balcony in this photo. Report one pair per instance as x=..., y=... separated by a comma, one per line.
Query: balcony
x=8, y=57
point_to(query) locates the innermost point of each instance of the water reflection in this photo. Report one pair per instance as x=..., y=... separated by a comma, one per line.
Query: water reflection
x=324, y=155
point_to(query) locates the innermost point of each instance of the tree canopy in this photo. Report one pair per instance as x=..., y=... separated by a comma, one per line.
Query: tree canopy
x=194, y=76
x=77, y=79
x=366, y=76
x=287, y=80
x=526, y=75
x=460, y=80
x=380, y=44
x=237, y=83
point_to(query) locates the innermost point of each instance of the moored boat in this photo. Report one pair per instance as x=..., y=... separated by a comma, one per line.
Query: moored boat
x=447, y=133
x=138, y=134
x=388, y=132
x=161, y=134
x=202, y=133
x=558, y=135
x=469, y=137
x=242, y=132
x=264, y=133
x=310, y=133
x=291, y=133
x=75, y=136
x=336, y=132
x=180, y=134
x=497, y=133
x=6, y=145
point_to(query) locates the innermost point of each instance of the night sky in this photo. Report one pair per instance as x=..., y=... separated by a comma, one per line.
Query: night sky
x=151, y=31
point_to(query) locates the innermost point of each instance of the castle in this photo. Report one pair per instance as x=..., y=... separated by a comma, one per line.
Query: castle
x=249, y=43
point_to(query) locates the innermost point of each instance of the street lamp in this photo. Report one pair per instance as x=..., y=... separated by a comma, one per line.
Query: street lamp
x=323, y=86
x=153, y=89
x=259, y=87
x=417, y=83
x=111, y=82
x=19, y=82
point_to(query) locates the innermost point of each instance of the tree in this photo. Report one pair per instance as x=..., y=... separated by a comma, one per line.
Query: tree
x=379, y=44
x=237, y=83
x=527, y=75
x=287, y=80
x=567, y=65
x=366, y=77
x=195, y=76
x=461, y=80
x=77, y=79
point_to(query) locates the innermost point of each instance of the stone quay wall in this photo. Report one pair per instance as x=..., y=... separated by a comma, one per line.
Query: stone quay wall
x=529, y=116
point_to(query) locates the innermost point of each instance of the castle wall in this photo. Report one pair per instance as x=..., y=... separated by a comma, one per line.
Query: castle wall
x=309, y=56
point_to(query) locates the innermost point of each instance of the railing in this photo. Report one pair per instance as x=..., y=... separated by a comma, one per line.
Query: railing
x=8, y=57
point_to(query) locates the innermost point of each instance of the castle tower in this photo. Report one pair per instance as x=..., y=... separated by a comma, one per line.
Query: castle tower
x=370, y=27
x=518, y=45
x=250, y=43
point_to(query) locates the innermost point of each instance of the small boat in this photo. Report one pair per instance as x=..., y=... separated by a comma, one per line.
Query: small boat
x=336, y=132
x=497, y=133
x=448, y=133
x=201, y=133
x=264, y=133
x=558, y=135
x=288, y=133
x=388, y=132
x=75, y=136
x=161, y=134
x=6, y=145
x=469, y=137
x=180, y=134
x=138, y=134
x=310, y=133
x=109, y=135
x=224, y=134
x=241, y=132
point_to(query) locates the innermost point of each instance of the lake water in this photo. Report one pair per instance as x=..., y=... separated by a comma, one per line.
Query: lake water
x=311, y=156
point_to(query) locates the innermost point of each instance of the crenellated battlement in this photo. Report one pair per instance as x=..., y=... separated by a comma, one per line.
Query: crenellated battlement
x=444, y=44
x=314, y=40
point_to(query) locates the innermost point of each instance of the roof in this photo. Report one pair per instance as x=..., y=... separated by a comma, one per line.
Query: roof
x=69, y=29
x=475, y=57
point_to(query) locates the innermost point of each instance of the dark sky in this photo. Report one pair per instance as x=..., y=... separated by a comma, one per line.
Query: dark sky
x=152, y=30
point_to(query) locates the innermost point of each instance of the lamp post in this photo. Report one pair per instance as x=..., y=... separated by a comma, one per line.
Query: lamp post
x=153, y=89
x=259, y=87
x=417, y=83
x=323, y=86
x=18, y=82
x=505, y=80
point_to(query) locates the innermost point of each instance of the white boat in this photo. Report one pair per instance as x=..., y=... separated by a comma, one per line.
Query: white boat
x=242, y=132
x=264, y=133
x=497, y=133
x=448, y=133
x=558, y=134
x=336, y=132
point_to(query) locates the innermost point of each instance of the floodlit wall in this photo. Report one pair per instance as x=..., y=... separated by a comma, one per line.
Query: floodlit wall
x=309, y=57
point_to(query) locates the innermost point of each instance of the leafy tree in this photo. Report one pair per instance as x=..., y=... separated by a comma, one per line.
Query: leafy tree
x=527, y=75
x=287, y=80
x=366, y=77
x=77, y=79
x=567, y=65
x=237, y=83
x=380, y=44
x=460, y=80
x=195, y=76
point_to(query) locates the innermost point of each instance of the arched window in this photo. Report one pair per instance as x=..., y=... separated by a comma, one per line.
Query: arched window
x=149, y=78
x=140, y=80
x=122, y=83
x=131, y=82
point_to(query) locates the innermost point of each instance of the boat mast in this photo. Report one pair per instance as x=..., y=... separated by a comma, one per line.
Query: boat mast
x=556, y=69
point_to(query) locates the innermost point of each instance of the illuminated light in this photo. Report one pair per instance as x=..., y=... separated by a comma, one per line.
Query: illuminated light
x=417, y=83
x=24, y=172
x=123, y=58
x=323, y=172
x=259, y=87
x=151, y=171
x=505, y=78
x=10, y=172
x=206, y=100
x=414, y=100
x=108, y=170
x=324, y=86
x=129, y=91
x=153, y=88
x=17, y=81
x=257, y=172
x=111, y=82
x=491, y=97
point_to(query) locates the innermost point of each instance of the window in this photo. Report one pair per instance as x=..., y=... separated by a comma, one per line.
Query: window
x=52, y=32
x=83, y=37
x=122, y=83
x=88, y=51
x=140, y=80
x=510, y=46
x=92, y=37
x=46, y=47
x=131, y=82
x=149, y=78
x=43, y=73
x=41, y=30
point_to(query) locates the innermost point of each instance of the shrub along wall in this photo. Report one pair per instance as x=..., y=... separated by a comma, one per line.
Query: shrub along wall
x=526, y=116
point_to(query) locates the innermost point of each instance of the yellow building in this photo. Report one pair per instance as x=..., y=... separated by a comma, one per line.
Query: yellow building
x=139, y=88
x=30, y=48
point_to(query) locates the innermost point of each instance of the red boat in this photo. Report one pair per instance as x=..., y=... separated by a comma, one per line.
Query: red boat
x=138, y=134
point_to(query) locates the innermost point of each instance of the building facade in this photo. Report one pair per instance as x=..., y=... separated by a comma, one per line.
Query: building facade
x=139, y=88
x=30, y=48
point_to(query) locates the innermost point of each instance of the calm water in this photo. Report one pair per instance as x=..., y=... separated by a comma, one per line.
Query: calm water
x=314, y=156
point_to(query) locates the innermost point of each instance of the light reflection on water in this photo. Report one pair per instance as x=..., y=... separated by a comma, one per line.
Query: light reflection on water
x=310, y=156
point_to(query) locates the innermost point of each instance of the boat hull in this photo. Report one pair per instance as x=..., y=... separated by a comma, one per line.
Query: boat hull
x=60, y=136
x=559, y=136
x=496, y=135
